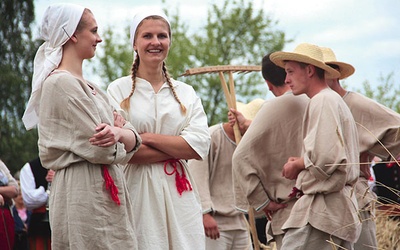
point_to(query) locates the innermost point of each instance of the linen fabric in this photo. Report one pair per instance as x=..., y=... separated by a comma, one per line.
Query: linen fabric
x=163, y=218
x=213, y=177
x=376, y=124
x=375, y=121
x=308, y=237
x=58, y=25
x=273, y=136
x=331, y=156
x=82, y=213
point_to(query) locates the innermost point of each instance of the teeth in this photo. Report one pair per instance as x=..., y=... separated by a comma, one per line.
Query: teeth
x=154, y=51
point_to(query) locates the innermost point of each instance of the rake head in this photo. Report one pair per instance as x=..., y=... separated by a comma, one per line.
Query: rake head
x=221, y=68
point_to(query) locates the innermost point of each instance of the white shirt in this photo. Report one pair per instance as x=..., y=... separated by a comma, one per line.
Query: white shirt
x=33, y=197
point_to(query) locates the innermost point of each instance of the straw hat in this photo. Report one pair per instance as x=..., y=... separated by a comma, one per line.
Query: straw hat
x=250, y=109
x=305, y=53
x=345, y=69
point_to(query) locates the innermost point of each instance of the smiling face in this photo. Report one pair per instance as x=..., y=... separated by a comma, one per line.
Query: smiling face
x=296, y=77
x=152, y=41
x=87, y=36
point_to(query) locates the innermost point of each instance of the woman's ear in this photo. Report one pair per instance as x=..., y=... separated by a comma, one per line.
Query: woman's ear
x=74, y=38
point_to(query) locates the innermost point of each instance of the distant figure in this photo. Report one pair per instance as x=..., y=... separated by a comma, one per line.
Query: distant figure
x=8, y=190
x=224, y=225
x=35, y=182
x=21, y=219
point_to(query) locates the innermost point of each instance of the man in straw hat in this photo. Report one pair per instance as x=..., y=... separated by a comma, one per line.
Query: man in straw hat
x=326, y=212
x=224, y=226
x=376, y=124
x=273, y=136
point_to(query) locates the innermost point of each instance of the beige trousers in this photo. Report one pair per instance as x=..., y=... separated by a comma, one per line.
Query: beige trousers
x=230, y=240
x=309, y=238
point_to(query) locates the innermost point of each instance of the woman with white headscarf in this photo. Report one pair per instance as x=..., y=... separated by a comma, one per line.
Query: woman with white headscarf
x=80, y=137
x=171, y=121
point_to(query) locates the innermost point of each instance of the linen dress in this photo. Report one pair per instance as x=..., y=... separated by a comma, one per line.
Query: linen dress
x=82, y=213
x=164, y=219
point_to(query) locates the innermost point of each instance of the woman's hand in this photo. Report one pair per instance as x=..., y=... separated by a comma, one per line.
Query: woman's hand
x=1, y=200
x=106, y=135
x=119, y=121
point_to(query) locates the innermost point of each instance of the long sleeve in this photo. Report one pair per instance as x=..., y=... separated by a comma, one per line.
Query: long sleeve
x=33, y=197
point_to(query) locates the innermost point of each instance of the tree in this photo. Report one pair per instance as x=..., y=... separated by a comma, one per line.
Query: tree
x=234, y=34
x=387, y=93
x=16, y=55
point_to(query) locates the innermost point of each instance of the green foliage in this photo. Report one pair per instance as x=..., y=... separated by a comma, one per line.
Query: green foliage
x=115, y=59
x=16, y=55
x=235, y=34
x=387, y=93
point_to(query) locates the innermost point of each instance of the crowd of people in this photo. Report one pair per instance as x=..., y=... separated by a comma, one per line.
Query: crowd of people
x=138, y=167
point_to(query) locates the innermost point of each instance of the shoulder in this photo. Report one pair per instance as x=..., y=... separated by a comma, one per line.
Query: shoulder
x=118, y=83
x=181, y=85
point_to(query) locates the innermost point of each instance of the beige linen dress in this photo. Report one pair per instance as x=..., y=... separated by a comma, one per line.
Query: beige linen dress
x=82, y=213
x=164, y=219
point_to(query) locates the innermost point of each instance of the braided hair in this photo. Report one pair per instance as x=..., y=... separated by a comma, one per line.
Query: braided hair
x=125, y=104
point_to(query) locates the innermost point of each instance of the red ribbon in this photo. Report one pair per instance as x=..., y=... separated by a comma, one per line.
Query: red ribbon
x=110, y=185
x=296, y=193
x=181, y=182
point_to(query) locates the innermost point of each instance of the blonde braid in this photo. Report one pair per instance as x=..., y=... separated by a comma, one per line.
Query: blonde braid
x=183, y=108
x=125, y=104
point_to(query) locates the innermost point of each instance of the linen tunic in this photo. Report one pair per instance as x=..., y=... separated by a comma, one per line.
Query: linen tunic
x=273, y=136
x=213, y=177
x=82, y=213
x=331, y=156
x=374, y=121
x=163, y=218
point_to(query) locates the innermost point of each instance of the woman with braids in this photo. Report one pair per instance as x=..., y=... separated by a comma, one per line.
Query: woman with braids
x=171, y=121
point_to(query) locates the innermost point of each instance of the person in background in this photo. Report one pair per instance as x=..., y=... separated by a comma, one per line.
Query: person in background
x=224, y=226
x=328, y=167
x=172, y=123
x=270, y=139
x=8, y=190
x=81, y=137
x=22, y=217
x=377, y=125
x=35, y=184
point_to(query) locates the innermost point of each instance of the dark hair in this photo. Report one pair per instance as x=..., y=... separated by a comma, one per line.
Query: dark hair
x=319, y=72
x=271, y=72
x=83, y=22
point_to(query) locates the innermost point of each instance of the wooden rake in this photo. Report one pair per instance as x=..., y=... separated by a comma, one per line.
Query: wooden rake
x=230, y=97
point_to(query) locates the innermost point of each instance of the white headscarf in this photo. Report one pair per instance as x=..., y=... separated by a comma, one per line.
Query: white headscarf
x=141, y=15
x=58, y=25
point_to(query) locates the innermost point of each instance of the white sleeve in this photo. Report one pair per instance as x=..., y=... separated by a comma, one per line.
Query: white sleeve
x=33, y=197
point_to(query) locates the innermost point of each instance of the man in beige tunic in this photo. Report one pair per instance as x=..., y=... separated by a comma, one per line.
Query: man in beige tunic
x=273, y=136
x=375, y=123
x=224, y=226
x=326, y=171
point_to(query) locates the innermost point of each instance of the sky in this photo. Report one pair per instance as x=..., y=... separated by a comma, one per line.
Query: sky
x=365, y=33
